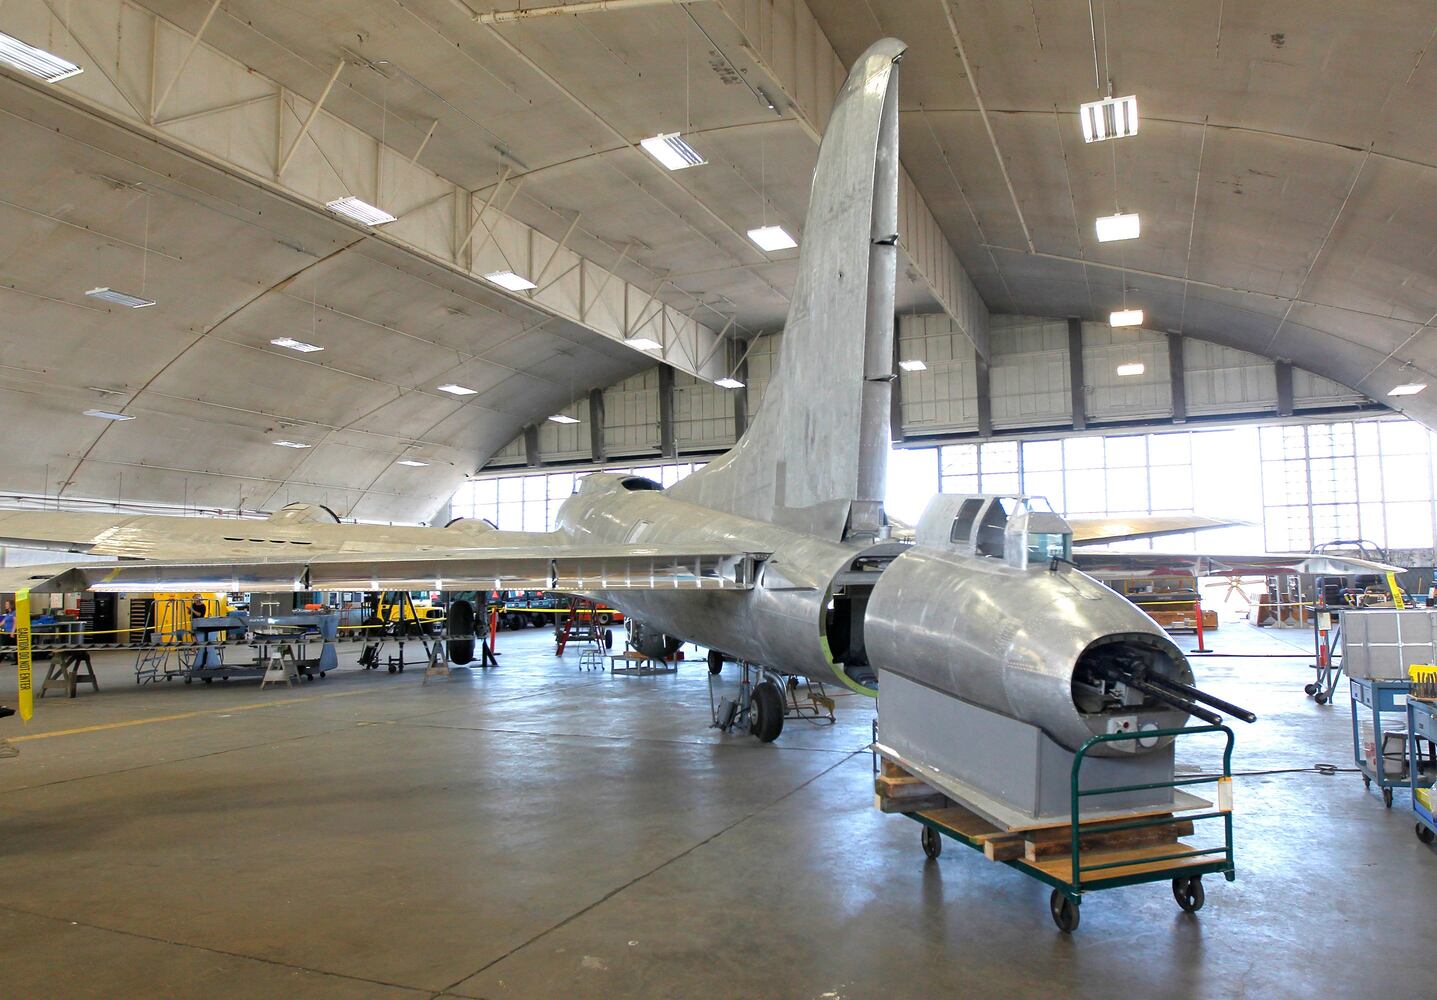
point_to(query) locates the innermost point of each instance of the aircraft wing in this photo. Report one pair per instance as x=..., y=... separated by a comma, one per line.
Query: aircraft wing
x=549, y=567
x=1107, y=565
x=1093, y=530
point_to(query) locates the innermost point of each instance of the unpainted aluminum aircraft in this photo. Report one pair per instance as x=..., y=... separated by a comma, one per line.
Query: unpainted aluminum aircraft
x=778, y=553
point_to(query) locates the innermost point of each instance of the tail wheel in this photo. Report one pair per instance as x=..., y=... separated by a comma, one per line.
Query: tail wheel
x=766, y=712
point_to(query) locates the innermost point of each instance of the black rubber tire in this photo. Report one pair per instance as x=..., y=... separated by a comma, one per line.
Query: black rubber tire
x=1387, y=797
x=608, y=638
x=716, y=663
x=1320, y=698
x=210, y=680
x=1425, y=834
x=766, y=712
x=393, y=669
x=1065, y=912
x=321, y=674
x=1311, y=689
x=188, y=680
x=932, y=842
x=461, y=622
x=1189, y=893
x=1366, y=781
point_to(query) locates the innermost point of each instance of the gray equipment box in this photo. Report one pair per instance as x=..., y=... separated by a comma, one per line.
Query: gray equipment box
x=1382, y=644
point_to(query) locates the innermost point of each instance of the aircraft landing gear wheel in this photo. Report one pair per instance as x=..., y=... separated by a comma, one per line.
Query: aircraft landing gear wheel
x=715, y=662
x=608, y=638
x=932, y=842
x=1387, y=797
x=1064, y=911
x=1189, y=893
x=1311, y=689
x=766, y=712
x=1425, y=834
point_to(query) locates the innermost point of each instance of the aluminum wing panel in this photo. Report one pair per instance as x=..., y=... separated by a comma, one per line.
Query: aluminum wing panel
x=577, y=568
x=1126, y=565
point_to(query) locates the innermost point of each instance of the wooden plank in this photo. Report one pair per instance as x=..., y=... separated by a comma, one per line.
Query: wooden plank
x=925, y=804
x=1049, y=846
x=1062, y=867
x=892, y=770
x=901, y=788
x=1003, y=848
x=961, y=821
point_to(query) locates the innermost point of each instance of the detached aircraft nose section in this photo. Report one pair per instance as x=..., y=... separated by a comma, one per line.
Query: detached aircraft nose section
x=1044, y=645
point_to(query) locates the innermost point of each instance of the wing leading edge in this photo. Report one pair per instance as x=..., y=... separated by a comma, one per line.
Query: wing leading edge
x=1125, y=565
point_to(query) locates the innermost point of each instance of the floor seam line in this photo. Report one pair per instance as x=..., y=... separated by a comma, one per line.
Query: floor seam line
x=657, y=868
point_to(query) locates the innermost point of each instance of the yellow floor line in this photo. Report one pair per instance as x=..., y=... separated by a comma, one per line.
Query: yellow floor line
x=103, y=726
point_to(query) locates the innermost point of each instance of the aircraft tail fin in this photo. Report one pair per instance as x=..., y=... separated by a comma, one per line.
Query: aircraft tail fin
x=815, y=456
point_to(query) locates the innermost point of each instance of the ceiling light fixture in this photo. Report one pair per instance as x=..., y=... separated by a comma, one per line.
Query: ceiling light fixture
x=670, y=150
x=914, y=365
x=728, y=382
x=644, y=344
x=1112, y=118
x=1132, y=368
x=771, y=238
x=564, y=418
x=1118, y=227
x=119, y=298
x=37, y=62
x=1407, y=389
x=411, y=463
x=457, y=390
x=360, y=211
x=1126, y=317
x=108, y=415
x=293, y=444
x=296, y=345
x=510, y=280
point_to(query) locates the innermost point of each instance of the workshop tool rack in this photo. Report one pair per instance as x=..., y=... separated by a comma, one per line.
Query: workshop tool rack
x=1094, y=859
x=1380, y=697
x=1422, y=727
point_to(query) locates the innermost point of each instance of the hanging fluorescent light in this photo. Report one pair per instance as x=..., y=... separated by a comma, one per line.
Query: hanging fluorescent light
x=457, y=390
x=914, y=365
x=37, y=62
x=510, y=280
x=771, y=238
x=728, y=382
x=1132, y=368
x=564, y=418
x=360, y=211
x=1118, y=227
x=1407, y=389
x=411, y=463
x=119, y=298
x=296, y=345
x=293, y=444
x=1113, y=118
x=644, y=344
x=1126, y=317
x=108, y=415
x=670, y=150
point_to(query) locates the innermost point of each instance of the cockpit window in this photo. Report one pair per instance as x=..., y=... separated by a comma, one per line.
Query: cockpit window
x=963, y=523
x=1045, y=545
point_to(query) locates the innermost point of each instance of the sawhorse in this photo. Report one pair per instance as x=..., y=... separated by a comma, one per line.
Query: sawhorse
x=68, y=669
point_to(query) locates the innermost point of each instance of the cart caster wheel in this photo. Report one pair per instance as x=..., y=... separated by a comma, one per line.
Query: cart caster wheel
x=1065, y=912
x=188, y=680
x=393, y=668
x=1320, y=698
x=1425, y=834
x=933, y=841
x=1366, y=781
x=322, y=673
x=1311, y=689
x=211, y=680
x=1189, y=893
x=1387, y=797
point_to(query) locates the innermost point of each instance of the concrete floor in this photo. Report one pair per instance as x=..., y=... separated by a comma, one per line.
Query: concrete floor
x=533, y=831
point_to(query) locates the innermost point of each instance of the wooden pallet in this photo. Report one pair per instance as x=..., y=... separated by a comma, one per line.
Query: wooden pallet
x=1046, y=847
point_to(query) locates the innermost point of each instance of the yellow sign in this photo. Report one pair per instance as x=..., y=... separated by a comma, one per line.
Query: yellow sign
x=22, y=650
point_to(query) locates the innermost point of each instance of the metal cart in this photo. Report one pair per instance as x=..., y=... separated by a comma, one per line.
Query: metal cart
x=1421, y=725
x=1379, y=697
x=1082, y=871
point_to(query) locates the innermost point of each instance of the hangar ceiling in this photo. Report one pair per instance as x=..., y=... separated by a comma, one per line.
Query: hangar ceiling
x=1283, y=172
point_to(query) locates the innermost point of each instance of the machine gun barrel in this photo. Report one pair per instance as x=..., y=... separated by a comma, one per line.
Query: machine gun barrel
x=1167, y=697
x=1196, y=694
